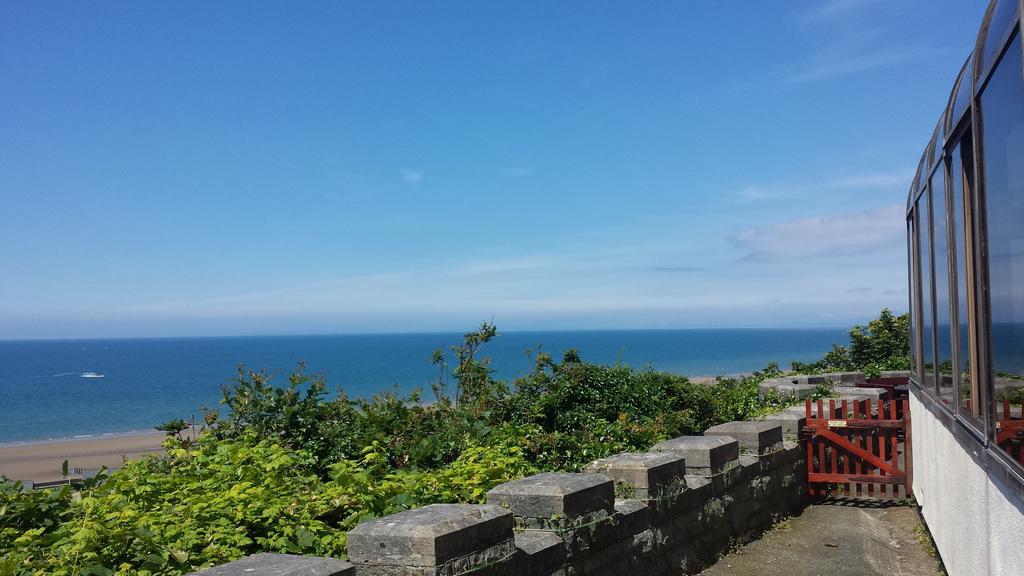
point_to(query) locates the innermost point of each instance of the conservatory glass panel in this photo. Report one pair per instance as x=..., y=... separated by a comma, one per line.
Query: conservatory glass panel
x=1002, y=116
x=959, y=98
x=925, y=276
x=937, y=150
x=943, y=324
x=961, y=182
x=963, y=94
x=913, y=297
x=1002, y=18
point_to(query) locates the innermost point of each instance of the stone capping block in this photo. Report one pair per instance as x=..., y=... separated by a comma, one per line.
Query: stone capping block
x=895, y=374
x=649, y=474
x=281, y=565
x=791, y=420
x=430, y=536
x=803, y=386
x=787, y=389
x=553, y=495
x=539, y=549
x=864, y=392
x=758, y=437
x=703, y=454
x=845, y=378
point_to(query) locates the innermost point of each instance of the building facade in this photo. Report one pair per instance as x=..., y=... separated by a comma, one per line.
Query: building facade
x=965, y=223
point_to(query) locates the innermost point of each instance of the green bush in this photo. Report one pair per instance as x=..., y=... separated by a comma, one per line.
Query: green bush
x=218, y=500
x=884, y=344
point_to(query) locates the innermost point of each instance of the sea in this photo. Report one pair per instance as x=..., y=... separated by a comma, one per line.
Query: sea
x=56, y=389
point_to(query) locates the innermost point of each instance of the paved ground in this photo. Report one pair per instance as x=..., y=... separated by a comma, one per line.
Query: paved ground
x=841, y=538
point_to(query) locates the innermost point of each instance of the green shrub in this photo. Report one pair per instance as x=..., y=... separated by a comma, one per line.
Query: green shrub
x=884, y=344
x=219, y=500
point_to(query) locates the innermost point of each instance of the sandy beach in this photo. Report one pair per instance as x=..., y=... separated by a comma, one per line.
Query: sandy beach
x=41, y=461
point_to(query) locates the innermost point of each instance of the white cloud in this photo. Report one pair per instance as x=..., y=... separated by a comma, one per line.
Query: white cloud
x=825, y=12
x=854, y=37
x=287, y=165
x=874, y=232
x=896, y=180
x=836, y=63
x=412, y=177
x=593, y=286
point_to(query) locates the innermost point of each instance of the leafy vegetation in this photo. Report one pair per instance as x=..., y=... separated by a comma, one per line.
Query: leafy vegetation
x=290, y=469
x=884, y=344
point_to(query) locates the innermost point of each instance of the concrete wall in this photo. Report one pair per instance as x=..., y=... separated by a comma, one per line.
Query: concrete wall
x=976, y=520
x=672, y=510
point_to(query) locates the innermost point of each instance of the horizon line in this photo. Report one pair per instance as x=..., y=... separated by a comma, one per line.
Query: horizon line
x=413, y=333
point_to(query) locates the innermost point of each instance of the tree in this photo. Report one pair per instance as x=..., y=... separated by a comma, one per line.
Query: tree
x=885, y=341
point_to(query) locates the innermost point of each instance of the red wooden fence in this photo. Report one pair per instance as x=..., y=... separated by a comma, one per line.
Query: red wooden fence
x=1010, y=430
x=859, y=448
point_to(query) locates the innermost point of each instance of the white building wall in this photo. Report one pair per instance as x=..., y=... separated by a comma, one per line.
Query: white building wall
x=977, y=523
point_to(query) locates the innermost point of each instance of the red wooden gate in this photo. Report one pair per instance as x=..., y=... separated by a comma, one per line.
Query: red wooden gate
x=859, y=448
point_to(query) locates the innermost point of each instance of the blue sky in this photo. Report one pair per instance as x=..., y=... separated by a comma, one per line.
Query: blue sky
x=196, y=168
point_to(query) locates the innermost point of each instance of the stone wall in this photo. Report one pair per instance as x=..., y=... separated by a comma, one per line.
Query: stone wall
x=847, y=383
x=672, y=510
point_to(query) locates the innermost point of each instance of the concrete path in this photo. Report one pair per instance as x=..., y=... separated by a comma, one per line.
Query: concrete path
x=839, y=538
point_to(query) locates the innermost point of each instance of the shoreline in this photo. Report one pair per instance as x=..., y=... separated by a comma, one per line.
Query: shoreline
x=41, y=461
x=77, y=438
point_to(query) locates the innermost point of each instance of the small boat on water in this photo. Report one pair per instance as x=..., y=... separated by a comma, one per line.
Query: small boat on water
x=91, y=375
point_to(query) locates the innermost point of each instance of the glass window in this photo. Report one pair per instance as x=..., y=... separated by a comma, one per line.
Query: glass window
x=961, y=96
x=937, y=138
x=922, y=169
x=943, y=323
x=1002, y=113
x=928, y=157
x=912, y=265
x=999, y=24
x=927, y=321
x=961, y=183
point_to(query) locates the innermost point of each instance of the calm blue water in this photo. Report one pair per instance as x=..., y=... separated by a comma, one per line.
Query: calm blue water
x=148, y=381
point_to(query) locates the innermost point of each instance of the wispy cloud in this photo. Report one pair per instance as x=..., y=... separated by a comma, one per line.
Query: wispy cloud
x=878, y=180
x=855, y=37
x=878, y=231
x=828, y=11
x=578, y=288
x=412, y=177
x=287, y=165
x=680, y=269
x=840, y=62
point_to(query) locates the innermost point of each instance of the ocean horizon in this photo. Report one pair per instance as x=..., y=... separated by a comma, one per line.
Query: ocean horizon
x=58, y=389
